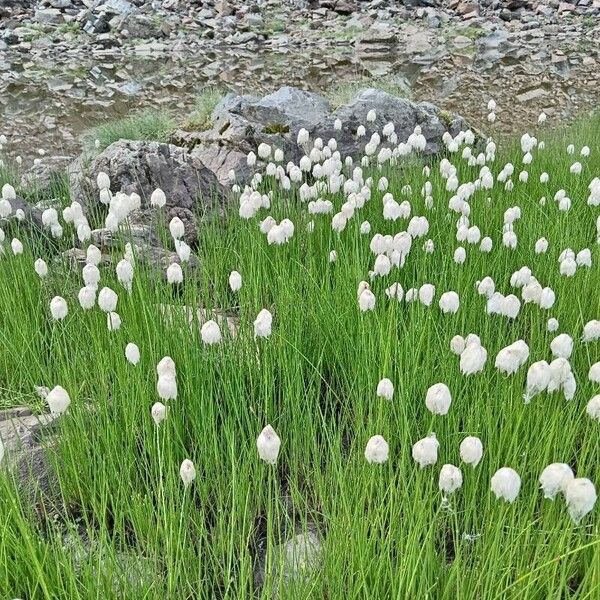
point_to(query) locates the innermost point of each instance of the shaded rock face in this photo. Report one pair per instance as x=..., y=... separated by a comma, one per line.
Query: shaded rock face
x=136, y=166
x=241, y=123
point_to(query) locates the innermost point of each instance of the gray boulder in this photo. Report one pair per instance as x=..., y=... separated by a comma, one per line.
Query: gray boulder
x=295, y=561
x=115, y=7
x=48, y=15
x=33, y=214
x=192, y=190
x=27, y=439
x=45, y=176
x=241, y=123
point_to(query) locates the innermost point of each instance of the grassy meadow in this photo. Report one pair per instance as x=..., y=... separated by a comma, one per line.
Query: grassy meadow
x=120, y=523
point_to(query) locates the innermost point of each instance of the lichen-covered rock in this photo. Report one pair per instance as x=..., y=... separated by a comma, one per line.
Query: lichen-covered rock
x=137, y=166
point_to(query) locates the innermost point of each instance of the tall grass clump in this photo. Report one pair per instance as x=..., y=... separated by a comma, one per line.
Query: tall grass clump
x=380, y=355
x=201, y=116
x=148, y=125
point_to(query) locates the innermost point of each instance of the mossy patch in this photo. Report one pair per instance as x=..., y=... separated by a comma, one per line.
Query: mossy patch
x=277, y=128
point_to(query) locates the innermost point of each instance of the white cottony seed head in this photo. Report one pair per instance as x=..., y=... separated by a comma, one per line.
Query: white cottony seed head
x=93, y=255
x=555, y=478
x=438, y=399
x=41, y=268
x=187, y=471
x=58, y=400
x=58, y=308
x=591, y=331
x=506, y=484
x=158, y=198
x=562, y=346
x=377, y=450
x=366, y=300
x=593, y=407
x=471, y=450
x=107, y=299
x=176, y=228
x=594, y=373
x=16, y=246
x=263, y=324
x=166, y=366
x=385, y=389
x=87, y=297
x=210, y=332
x=425, y=451
x=174, y=273
x=451, y=479
x=268, y=444
x=166, y=387
x=580, y=495
x=235, y=281
x=158, y=412
x=132, y=353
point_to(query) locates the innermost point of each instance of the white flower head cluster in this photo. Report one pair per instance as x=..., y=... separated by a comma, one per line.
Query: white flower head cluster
x=450, y=479
x=506, y=484
x=377, y=450
x=425, y=451
x=132, y=353
x=385, y=389
x=471, y=450
x=158, y=413
x=555, y=478
x=511, y=358
x=9, y=195
x=473, y=355
x=210, y=332
x=166, y=385
x=41, y=268
x=579, y=493
x=187, y=472
x=591, y=331
x=58, y=400
x=438, y=399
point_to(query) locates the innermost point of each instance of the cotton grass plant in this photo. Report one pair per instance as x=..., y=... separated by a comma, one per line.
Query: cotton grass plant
x=199, y=450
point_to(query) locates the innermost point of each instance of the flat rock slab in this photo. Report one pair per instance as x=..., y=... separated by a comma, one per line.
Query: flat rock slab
x=19, y=428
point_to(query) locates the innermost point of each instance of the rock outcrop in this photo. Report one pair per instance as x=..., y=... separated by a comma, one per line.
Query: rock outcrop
x=241, y=123
x=137, y=166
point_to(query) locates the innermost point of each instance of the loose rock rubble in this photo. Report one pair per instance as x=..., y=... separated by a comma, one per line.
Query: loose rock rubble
x=68, y=64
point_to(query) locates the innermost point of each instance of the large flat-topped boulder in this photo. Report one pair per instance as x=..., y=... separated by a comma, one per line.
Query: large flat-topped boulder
x=288, y=106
